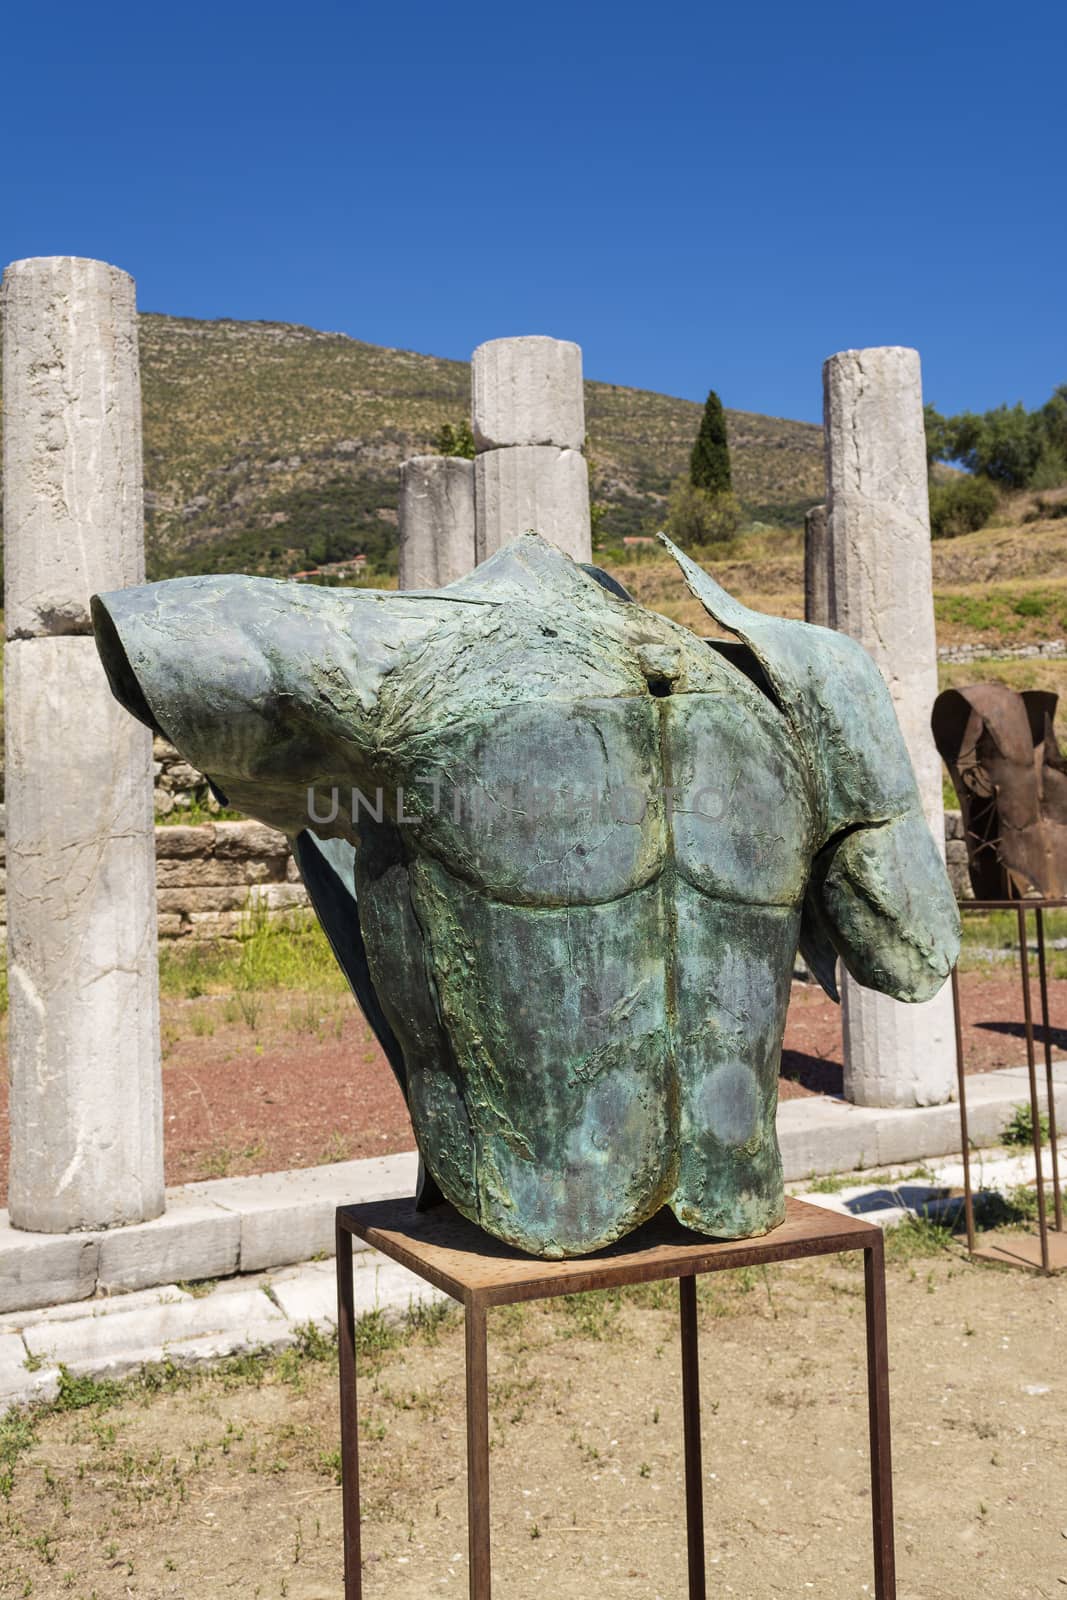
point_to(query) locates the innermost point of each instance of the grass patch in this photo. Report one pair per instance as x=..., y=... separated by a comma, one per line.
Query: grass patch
x=268, y=954
x=834, y=1182
x=1003, y=611
x=990, y=933
x=376, y=1337
x=917, y=1237
x=1019, y=1128
x=197, y=812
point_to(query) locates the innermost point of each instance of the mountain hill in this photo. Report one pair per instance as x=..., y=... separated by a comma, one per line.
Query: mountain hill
x=271, y=448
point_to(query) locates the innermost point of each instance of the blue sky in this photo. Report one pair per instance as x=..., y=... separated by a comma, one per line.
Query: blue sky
x=700, y=195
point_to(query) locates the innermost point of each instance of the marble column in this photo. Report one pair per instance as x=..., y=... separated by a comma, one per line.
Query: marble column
x=436, y=520
x=818, y=573
x=879, y=535
x=528, y=417
x=86, y=1095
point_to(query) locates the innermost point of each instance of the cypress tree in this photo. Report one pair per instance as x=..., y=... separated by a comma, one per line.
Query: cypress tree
x=709, y=464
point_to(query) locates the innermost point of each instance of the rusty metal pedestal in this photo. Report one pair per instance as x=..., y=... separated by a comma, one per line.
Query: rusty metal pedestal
x=479, y=1272
x=1046, y=1251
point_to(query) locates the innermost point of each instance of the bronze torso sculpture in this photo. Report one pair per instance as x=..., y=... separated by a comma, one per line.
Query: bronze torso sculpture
x=1001, y=751
x=585, y=847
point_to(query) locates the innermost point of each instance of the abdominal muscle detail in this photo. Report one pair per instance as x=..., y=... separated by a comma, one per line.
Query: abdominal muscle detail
x=589, y=1081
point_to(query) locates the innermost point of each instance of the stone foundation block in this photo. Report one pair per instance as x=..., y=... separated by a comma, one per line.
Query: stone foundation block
x=218, y=897
x=289, y=1216
x=119, y=1337
x=217, y=872
x=42, y=1269
x=243, y=839
x=190, y=1241
x=278, y=896
x=181, y=842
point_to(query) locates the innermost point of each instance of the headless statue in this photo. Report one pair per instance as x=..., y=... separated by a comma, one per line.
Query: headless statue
x=565, y=851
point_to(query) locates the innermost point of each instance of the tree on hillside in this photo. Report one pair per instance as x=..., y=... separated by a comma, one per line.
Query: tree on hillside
x=709, y=464
x=1013, y=447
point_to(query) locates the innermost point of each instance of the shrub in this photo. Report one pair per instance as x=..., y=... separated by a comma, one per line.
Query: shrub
x=454, y=441
x=962, y=506
x=696, y=517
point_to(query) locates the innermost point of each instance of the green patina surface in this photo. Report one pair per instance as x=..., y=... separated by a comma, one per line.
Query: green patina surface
x=565, y=851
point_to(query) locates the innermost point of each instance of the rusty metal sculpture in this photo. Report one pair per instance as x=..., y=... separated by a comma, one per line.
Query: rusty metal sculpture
x=1001, y=751
x=577, y=849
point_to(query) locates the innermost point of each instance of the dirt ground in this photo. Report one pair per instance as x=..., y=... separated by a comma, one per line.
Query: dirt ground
x=302, y=1080
x=226, y=1486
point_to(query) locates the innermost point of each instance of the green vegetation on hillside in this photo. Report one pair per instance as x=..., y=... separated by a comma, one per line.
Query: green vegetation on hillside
x=1013, y=447
x=274, y=448
x=960, y=505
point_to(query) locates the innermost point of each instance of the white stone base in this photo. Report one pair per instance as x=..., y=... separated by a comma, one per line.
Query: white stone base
x=86, y=1090
x=897, y=1054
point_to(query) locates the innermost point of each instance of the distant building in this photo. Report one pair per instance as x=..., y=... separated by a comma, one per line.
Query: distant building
x=334, y=569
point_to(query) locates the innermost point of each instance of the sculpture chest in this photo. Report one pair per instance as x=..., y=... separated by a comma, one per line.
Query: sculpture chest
x=598, y=907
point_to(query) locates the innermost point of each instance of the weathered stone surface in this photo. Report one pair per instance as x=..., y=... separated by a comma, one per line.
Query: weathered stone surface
x=86, y=1104
x=879, y=529
x=193, y=1239
x=818, y=572
x=72, y=441
x=309, y=1293
x=126, y=1332
x=289, y=1216
x=436, y=521
x=18, y=1384
x=100, y=1305
x=527, y=391
x=36, y=1270
x=214, y=924
x=214, y=872
x=180, y=842
x=250, y=838
x=278, y=896
x=191, y=898
x=533, y=489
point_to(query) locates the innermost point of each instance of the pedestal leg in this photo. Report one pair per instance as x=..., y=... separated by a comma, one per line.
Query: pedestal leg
x=1053, y=1135
x=885, y=1583
x=1035, y=1109
x=346, y=1345
x=965, y=1141
x=694, y=1477
x=477, y=1453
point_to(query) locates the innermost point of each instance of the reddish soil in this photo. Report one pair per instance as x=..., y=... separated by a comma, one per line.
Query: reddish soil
x=993, y=1032
x=306, y=1082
